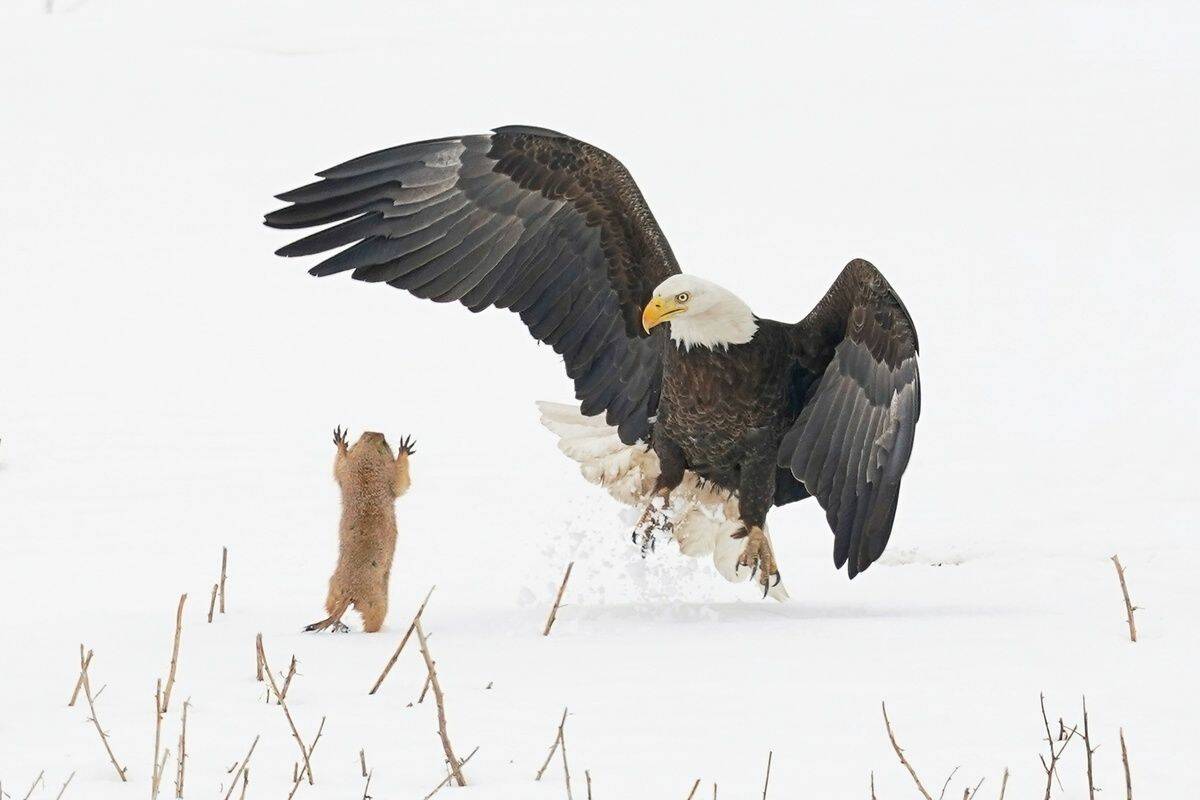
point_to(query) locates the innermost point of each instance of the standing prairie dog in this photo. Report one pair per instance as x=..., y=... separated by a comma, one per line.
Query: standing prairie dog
x=370, y=479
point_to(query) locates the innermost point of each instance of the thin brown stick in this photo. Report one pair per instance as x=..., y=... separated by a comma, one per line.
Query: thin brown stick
x=63, y=790
x=767, y=782
x=158, y=716
x=1087, y=746
x=873, y=785
x=241, y=768
x=455, y=764
x=262, y=654
x=245, y=783
x=368, y=786
x=83, y=663
x=446, y=779
x=258, y=658
x=1125, y=764
x=297, y=773
x=212, y=604
x=553, y=747
x=1129, y=606
x=224, y=562
x=181, y=758
x=1003, y=783
x=558, y=600
x=588, y=776
x=91, y=701
x=969, y=794
x=425, y=688
x=287, y=681
x=166, y=700
x=36, y=781
x=1065, y=737
x=566, y=768
x=900, y=755
x=946, y=785
x=692, y=793
x=411, y=626
x=362, y=759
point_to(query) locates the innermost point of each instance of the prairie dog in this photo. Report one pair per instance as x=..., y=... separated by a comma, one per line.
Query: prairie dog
x=371, y=479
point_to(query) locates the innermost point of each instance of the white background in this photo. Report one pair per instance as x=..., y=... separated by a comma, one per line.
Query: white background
x=1024, y=175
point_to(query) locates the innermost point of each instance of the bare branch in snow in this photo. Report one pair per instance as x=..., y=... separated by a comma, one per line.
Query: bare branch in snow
x=900, y=754
x=245, y=764
x=1129, y=606
x=166, y=700
x=455, y=764
x=558, y=600
x=411, y=626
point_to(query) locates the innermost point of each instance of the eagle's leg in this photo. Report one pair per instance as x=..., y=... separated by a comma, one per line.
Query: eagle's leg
x=656, y=518
x=755, y=495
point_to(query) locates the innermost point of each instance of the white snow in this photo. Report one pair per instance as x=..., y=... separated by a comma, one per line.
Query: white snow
x=1024, y=175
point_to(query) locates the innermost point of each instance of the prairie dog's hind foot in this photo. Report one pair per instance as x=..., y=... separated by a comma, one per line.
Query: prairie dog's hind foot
x=333, y=625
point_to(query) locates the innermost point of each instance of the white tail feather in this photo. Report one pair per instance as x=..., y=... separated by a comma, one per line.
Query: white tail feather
x=705, y=518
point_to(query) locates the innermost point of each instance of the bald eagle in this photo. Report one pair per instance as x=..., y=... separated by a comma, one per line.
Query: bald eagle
x=712, y=415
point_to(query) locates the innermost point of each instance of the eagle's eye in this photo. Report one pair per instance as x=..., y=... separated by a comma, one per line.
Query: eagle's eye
x=682, y=297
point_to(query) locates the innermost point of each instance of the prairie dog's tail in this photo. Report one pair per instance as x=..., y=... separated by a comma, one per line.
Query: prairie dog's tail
x=705, y=518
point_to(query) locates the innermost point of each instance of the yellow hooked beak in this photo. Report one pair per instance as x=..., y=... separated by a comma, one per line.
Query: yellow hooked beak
x=658, y=310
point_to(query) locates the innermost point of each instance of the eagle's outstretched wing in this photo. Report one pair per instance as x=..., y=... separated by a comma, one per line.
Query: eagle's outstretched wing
x=522, y=218
x=853, y=438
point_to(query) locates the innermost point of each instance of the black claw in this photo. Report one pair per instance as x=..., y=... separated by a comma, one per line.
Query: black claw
x=753, y=570
x=766, y=588
x=778, y=578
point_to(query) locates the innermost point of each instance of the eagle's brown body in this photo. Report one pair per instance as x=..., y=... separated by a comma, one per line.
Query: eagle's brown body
x=723, y=412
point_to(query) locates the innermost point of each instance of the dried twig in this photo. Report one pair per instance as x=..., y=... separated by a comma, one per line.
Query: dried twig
x=558, y=600
x=297, y=773
x=166, y=700
x=1129, y=606
x=221, y=591
x=969, y=794
x=258, y=658
x=446, y=779
x=181, y=758
x=900, y=755
x=36, y=781
x=1004, y=783
x=562, y=739
x=588, y=776
x=242, y=768
x=368, y=786
x=63, y=790
x=1064, y=736
x=553, y=747
x=362, y=759
x=212, y=604
x=83, y=663
x=155, y=777
x=287, y=681
x=455, y=764
x=262, y=654
x=946, y=785
x=767, y=782
x=91, y=701
x=1125, y=763
x=1087, y=746
x=411, y=626
x=691, y=794
x=245, y=783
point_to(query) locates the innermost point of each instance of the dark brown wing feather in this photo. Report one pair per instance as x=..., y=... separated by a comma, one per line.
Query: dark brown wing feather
x=522, y=218
x=854, y=436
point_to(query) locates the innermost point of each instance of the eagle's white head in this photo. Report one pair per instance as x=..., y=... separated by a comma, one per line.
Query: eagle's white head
x=701, y=313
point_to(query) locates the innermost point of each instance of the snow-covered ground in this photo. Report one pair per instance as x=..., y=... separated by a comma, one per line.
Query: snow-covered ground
x=1024, y=175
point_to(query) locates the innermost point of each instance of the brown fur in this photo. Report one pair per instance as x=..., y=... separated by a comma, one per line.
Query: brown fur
x=371, y=479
